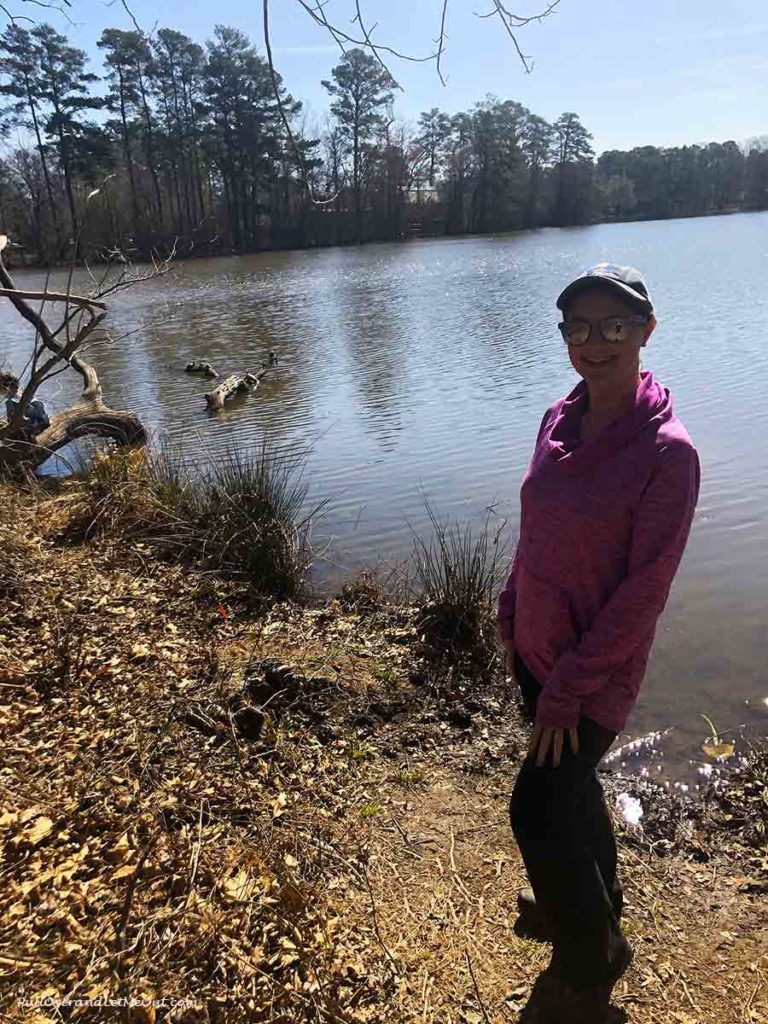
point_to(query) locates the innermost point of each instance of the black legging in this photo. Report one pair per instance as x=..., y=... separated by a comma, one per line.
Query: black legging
x=564, y=830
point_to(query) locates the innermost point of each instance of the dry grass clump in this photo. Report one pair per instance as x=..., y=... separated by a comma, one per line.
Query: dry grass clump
x=364, y=594
x=136, y=494
x=251, y=524
x=456, y=575
x=243, y=517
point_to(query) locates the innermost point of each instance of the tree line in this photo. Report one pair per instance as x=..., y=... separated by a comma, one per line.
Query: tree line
x=203, y=148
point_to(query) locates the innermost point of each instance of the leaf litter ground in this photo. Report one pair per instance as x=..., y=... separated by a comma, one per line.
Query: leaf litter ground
x=229, y=818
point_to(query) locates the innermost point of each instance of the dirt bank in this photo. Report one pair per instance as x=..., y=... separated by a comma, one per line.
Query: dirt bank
x=291, y=817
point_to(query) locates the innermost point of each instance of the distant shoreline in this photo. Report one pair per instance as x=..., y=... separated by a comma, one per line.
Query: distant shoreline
x=199, y=254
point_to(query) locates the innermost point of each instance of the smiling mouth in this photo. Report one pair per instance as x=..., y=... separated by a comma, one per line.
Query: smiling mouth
x=597, y=362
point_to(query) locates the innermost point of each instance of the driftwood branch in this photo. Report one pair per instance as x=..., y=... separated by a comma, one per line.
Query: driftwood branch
x=20, y=444
x=235, y=384
x=24, y=448
x=48, y=337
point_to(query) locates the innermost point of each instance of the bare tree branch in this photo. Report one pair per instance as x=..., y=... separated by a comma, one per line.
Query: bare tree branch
x=441, y=41
x=512, y=21
x=60, y=7
x=317, y=13
x=13, y=18
x=131, y=15
x=78, y=300
x=359, y=19
x=276, y=90
x=20, y=445
x=52, y=7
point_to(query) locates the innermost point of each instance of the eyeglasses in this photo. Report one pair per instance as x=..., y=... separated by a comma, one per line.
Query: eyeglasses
x=612, y=328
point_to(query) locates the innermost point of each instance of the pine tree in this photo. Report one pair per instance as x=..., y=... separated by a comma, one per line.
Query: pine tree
x=434, y=130
x=244, y=138
x=64, y=89
x=574, y=164
x=124, y=98
x=362, y=89
x=537, y=143
x=20, y=66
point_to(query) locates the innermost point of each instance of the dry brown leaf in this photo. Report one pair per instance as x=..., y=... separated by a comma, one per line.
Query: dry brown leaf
x=279, y=805
x=37, y=831
x=126, y=871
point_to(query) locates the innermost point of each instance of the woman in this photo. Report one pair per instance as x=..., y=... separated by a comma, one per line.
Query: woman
x=606, y=509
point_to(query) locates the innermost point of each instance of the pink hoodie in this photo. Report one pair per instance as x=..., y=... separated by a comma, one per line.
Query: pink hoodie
x=602, y=531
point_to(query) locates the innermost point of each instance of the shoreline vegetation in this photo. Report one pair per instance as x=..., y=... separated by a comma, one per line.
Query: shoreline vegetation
x=196, y=253
x=282, y=805
x=196, y=149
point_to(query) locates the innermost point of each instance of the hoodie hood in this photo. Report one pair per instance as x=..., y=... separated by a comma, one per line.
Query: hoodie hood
x=653, y=407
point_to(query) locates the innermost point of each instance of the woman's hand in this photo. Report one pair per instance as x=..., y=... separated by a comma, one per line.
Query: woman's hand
x=544, y=736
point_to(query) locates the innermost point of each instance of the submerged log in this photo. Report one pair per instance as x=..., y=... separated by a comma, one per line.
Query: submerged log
x=205, y=368
x=237, y=383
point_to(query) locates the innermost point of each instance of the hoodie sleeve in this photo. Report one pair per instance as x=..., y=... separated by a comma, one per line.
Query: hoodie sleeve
x=660, y=530
x=505, y=615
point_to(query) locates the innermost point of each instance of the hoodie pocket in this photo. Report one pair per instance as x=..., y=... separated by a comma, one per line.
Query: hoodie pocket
x=544, y=622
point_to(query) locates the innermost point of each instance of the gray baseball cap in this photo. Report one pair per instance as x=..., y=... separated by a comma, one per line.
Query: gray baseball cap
x=626, y=281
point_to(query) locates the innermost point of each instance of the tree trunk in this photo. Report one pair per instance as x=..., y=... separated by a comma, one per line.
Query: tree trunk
x=356, y=185
x=64, y=149
x=137, y=218
x=149, y=149
x=46, y=174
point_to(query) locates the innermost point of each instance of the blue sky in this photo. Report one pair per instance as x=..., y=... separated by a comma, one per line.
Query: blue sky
x=662, y=72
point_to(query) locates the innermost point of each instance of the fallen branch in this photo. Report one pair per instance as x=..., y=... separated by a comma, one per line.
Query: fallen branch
x=477, y=990
x=56, y=349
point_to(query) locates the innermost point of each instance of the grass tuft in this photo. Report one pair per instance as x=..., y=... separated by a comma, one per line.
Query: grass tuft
x=243, y=517
x=455, y=575
x=251, y=523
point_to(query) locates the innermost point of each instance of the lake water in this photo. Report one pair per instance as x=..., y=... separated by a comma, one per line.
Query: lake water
x=422, y=369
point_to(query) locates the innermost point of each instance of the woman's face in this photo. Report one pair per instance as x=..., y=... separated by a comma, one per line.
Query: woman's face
x=622, y=357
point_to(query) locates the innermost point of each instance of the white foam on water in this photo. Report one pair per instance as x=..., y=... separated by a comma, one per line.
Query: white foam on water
x=630, y=808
